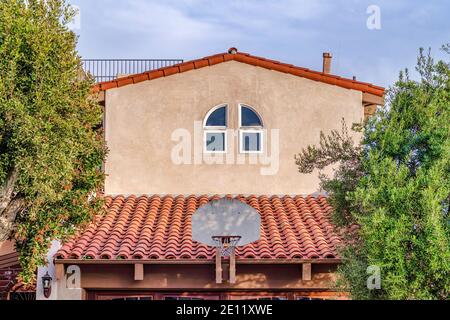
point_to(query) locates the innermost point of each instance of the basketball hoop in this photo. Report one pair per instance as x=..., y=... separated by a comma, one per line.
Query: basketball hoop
x=226, y=244
x=225, y=224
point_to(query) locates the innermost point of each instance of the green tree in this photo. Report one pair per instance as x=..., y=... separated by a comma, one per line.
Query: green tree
x=51, y=145
x=391, y=191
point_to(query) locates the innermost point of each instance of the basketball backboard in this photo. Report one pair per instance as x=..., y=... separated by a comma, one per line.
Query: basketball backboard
x=226, y=217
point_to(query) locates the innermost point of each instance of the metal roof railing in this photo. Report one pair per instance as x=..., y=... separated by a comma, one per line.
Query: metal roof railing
x=110, y=69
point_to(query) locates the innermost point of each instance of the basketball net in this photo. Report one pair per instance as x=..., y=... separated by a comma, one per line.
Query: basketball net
x=226, y=244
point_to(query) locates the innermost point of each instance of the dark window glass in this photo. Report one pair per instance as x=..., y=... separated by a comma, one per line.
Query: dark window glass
x=218, y=118
x=252, y=141
x=183, y=298
x=264, y=298
x=215, y=141
x=249, y=118
x=131, y=298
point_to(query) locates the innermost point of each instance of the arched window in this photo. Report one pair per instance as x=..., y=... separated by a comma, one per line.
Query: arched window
x=251, y=133
x=215, y=126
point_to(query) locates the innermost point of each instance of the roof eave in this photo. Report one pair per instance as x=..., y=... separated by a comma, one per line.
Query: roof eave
x=194, y=261
x=243, y=58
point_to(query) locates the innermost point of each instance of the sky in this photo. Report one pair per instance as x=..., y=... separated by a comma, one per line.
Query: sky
x=372, y=40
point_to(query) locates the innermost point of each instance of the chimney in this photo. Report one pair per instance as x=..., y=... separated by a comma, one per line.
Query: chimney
x=327, y=57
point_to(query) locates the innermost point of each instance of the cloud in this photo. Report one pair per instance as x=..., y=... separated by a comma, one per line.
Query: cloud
x=159, y=21
x=193, y=20
x=295, y=31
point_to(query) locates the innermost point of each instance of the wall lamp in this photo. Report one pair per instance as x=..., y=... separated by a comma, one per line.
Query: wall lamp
x=47, y=285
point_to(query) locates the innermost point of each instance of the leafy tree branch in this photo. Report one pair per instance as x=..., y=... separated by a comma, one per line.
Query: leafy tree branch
x=50, y=150
x=391, y=192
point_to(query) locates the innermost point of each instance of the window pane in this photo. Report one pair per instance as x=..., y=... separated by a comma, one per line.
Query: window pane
x=249, y=118
x=251, y=141
x=215, y=141
x=181, y=298
x=218, y=118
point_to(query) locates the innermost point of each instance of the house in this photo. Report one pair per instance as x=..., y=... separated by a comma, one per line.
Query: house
x=181, y=137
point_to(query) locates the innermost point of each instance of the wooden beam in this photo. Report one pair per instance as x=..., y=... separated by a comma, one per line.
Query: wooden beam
x=306, y=272
x=369, y=111
x=59, y=272
x=288, y=261
x=138, y=272
x=233, y=266
x=369, y=98
x=218, y=266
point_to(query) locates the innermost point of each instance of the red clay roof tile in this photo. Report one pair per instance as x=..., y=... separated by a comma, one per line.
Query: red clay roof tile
x=201, y=63
x=186, y=66
x=125, y=81
x=140, y=77
x=215, y=59
x=155, y=74
x=255, y=61
x=160, y=228
x=168, y=71
x=108, y=85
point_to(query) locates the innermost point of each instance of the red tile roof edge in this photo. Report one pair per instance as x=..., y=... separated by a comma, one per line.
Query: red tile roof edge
x=59, y=259
x=244, y=58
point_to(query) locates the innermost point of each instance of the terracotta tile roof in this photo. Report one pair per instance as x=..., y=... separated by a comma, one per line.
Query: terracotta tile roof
x=244, y=58
x=159, y=228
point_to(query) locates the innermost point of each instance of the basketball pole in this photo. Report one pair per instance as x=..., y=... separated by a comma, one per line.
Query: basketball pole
x=233, y=266
x=218, y=265
x=224, y=224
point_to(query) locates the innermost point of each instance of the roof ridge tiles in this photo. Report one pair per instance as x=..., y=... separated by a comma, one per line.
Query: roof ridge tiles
x=243, y=58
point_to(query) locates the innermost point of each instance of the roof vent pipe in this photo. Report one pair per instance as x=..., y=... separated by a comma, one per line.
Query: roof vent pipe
x=327, y=58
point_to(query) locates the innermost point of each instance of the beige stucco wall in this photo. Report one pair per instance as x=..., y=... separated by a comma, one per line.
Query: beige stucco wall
x=140, y=120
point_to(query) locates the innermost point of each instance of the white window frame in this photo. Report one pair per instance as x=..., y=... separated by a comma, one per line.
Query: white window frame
x=241, y=140
x=210, y=112
x=253, y=109
x=205, y=147
x=250, y=129
x=216, y=129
